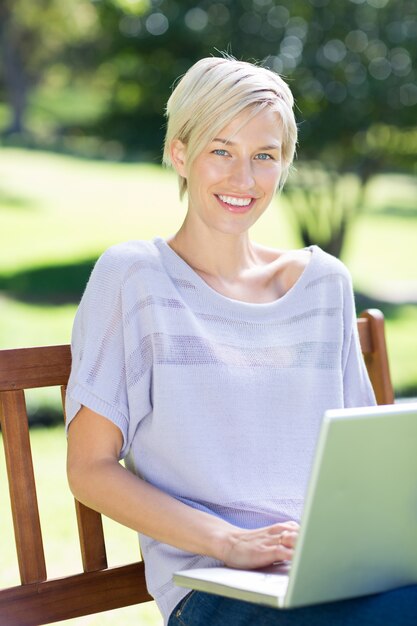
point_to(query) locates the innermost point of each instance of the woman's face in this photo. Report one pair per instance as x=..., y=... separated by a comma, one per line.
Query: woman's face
x=233, y=180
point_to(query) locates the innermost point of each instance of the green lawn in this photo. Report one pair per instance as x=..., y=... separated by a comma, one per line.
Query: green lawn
x=381, y=247
x=59, y=210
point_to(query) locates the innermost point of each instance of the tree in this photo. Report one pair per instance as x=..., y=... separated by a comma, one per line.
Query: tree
x=350, y=66
x=15, y=77
x=36, y=36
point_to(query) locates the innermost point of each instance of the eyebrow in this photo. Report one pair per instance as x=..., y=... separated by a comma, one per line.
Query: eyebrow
x=226, y=142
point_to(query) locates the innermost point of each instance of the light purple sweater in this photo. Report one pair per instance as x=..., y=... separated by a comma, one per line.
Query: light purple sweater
x=219, y=401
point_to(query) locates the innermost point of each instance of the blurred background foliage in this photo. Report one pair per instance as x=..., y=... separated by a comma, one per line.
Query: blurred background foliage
x=350, y=65
x=91, y=77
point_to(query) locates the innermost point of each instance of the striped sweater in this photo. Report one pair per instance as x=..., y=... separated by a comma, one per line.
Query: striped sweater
x=219, y=401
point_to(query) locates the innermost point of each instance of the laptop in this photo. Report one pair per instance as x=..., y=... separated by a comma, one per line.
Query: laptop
x=358, y=533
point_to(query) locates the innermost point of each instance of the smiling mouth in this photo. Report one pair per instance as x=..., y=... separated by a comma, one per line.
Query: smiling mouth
x=234, y=204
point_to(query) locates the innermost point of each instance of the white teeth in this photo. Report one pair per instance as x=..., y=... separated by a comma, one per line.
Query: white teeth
x=236, y=201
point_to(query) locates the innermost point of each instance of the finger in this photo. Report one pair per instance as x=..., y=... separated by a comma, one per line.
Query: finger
x=274, y=554
x=284, y=553
x=283, y=532
x=281, y=526
x=286, y=538
x=289, y=538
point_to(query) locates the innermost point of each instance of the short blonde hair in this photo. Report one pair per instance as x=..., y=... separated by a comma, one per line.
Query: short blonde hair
x=212, y=93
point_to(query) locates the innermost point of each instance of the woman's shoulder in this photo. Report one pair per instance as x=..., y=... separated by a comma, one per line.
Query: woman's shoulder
x=120, y=261
x=290, y=264
x=120, y=257
x=299, y=257
x=331, y=264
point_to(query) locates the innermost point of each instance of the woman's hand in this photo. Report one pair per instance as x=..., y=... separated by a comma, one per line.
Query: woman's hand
x=249, y=549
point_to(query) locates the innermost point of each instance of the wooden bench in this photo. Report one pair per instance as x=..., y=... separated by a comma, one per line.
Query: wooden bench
x=38, y=600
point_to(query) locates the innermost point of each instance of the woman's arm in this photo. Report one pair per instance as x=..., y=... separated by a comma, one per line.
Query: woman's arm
x=99, y=481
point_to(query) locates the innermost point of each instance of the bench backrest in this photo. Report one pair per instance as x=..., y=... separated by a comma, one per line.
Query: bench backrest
x=99, y=588
x=371, y=329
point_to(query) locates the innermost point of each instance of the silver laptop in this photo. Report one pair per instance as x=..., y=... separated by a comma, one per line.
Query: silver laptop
x=358, y=531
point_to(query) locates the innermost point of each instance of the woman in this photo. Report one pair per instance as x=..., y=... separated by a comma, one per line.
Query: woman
x=207, y=360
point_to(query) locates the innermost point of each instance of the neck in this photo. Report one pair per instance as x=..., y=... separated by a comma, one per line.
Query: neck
x=217, y=254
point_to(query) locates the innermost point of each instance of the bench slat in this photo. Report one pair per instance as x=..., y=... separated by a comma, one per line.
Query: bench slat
x=364, y=336
x=90, y=527
x=372, y=335
x=90, y=531
x=73, y=596
x=27, y=368
x=22, y=487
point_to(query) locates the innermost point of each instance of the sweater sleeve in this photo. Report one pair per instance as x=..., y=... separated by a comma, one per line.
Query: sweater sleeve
x=98, y=374
x=357, y=387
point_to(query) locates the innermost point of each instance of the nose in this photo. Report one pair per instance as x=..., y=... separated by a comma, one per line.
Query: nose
x=242, y=176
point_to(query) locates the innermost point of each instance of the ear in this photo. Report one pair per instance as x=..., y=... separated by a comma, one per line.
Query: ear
x=178, y=153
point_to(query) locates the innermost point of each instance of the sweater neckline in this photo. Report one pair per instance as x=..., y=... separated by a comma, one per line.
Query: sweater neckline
x=175, y=260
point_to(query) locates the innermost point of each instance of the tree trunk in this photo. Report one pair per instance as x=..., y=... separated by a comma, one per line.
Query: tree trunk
x=15, y=79
x=319, y=210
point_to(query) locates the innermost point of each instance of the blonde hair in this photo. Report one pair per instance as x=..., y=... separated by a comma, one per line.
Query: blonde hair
x=212, y=93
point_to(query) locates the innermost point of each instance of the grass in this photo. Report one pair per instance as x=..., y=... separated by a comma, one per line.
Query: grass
x=60, y=210
x=380, y=247
x=57, y=209
x=402, y=350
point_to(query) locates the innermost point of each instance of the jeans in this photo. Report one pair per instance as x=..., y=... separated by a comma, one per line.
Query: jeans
x=392, y=608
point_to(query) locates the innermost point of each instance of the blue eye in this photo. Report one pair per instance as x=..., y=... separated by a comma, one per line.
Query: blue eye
x=263, y=156
x=220, y=152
